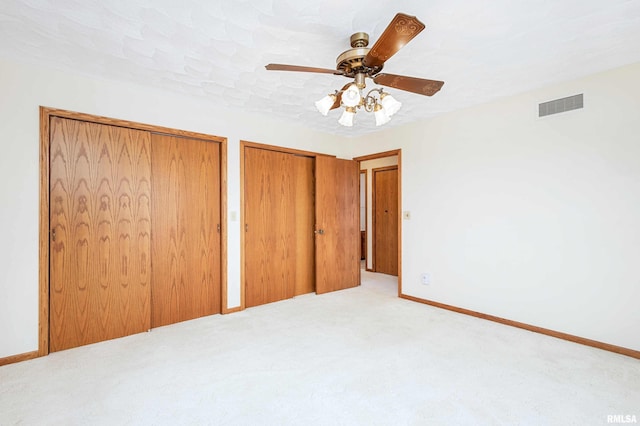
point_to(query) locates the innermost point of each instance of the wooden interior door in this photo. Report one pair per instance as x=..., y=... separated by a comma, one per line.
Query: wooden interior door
x=185, y=229
x=304, y=198
x=337, y=224
x=385, y=220
x=100, y=222
x=270, y=245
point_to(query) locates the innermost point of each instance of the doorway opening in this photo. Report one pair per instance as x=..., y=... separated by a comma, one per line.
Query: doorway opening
x=363, y=219
x=380, y=213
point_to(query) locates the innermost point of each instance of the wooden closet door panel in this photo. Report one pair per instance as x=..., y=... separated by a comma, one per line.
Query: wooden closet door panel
x=186, y=237
x=269, y=229
x=304, y=187
x=337, y=224
x=385, y=200
x=100, y=233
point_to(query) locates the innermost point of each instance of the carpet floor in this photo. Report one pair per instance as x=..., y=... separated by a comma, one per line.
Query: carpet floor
x=355, y=357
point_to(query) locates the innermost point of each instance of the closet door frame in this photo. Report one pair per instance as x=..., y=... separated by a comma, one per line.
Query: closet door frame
x=46, y=114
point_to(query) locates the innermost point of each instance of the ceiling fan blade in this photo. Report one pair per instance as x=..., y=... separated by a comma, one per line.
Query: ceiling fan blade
x=338, y=101
x=400, y=31
x=420, y=86
x=282, y=67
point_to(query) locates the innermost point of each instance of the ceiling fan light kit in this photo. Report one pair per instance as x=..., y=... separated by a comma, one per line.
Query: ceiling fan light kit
x=383, y=107
x=361, y=62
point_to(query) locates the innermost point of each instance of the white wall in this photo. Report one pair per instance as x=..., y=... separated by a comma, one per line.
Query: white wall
x=24, y=88
x=369, y=165
x=532, y=219
x=535, y=220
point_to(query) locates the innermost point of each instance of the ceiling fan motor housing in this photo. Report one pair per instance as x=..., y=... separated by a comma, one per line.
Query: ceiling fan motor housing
x=351, y=61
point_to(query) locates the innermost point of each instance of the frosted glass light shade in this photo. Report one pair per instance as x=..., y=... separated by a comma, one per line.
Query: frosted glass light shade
x=381, y=115
x=389, y=103
x=324, y=105
x=347, y=117
x=351, y=97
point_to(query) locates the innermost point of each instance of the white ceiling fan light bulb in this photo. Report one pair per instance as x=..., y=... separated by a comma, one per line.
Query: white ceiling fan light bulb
x=347, y=117
x=390, y=104
x=324, y=105
x=351, y=97
x=381, y=115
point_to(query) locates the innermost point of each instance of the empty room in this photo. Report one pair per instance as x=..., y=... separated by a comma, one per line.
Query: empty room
x=287, y=212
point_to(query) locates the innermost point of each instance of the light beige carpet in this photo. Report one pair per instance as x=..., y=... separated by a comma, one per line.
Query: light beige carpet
x=356, y=357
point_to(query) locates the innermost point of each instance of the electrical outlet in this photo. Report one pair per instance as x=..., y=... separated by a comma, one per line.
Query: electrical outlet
x=425, y=278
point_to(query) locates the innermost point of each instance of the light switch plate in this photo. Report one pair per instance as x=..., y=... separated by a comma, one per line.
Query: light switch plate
x=406, y=215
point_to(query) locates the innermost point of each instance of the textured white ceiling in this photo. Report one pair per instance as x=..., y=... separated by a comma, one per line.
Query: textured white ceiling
x=218, y=49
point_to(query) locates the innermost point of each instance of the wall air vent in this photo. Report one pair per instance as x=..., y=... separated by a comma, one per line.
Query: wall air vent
x=561, y=105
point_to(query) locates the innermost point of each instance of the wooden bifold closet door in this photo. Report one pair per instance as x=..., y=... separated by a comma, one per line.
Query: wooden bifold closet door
x=185, y=243
x=135, y=239
x=337, y=224
x=278, y=230
x=100, y=222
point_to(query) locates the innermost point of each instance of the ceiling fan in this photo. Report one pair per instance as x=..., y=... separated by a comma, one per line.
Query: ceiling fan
x=361, y=62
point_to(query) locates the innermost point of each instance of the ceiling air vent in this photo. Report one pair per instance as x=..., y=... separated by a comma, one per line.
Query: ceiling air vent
x=561, y=105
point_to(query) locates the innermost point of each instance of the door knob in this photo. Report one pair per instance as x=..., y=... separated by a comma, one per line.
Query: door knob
x=320, y=231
